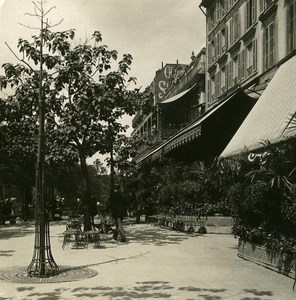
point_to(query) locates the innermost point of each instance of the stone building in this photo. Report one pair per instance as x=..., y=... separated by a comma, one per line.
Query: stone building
x=179, y=100
x=251, y=47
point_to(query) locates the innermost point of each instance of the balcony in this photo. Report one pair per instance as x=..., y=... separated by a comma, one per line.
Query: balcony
x=167, y=133
x=270, y=7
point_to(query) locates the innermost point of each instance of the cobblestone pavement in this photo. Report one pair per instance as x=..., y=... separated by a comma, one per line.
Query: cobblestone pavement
x=155, y=263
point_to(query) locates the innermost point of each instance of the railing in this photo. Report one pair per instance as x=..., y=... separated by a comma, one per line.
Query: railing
x=167, y=133
x=181, y=223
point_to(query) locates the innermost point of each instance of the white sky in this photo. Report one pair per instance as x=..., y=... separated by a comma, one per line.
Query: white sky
x=152, y=31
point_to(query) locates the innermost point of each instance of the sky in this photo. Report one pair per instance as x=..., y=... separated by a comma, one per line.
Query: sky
x=152, y=31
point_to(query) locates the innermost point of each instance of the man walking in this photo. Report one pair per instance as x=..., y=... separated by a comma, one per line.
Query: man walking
x=118, y=211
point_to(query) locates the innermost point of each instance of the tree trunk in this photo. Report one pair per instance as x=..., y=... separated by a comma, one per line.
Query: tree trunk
x=111, y=170
x=86, y=194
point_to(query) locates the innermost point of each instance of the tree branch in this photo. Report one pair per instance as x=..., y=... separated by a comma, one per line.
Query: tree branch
x=56, y=24
x=27, y=26
x=19, y=58
x=31, y=15
x=86, y=132
x=93, y=74
x=49, y=11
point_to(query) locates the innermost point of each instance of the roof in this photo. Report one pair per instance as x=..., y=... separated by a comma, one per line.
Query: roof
x=269, y=116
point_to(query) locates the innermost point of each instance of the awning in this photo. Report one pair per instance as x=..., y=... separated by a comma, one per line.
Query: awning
x=187, y=134
x=176, y=97
x=268, y=118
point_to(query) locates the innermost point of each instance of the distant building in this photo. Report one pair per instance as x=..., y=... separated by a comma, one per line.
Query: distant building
x=179, y=99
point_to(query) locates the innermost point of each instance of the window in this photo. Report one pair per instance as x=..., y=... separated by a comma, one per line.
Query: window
x=218, y=44
x=218, y=10
x=217, y=84
x=230, y=74
x=242, y=64
x=211, y=89
x=265, y=4
x=235, y=70
x=292, y=25
x=234, y=33
x=212, y=52
x=223, y=7
x=224, y=40
x=236, y=24
x=231, y=41
x=251, y=13
x=251, y=57
x=211, y=19
x=269, y=45
x=223, y=80
x=209, y=53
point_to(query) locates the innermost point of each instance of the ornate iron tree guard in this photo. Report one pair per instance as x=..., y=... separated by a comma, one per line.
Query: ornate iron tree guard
x=42, y=264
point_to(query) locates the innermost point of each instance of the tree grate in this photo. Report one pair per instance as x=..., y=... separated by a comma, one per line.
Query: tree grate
x=66, y=274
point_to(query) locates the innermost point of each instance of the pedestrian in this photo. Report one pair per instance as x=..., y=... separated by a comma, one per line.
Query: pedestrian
x=118, y=210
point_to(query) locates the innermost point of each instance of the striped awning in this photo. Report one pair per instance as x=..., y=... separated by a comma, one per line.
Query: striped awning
x=268, y=118
x=185, y=135
x=176, y=97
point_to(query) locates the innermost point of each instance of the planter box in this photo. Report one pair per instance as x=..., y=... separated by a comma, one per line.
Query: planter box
x=219, y=225
x=280, y=262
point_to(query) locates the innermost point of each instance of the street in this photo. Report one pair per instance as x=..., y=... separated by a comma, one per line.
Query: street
x=155, y=263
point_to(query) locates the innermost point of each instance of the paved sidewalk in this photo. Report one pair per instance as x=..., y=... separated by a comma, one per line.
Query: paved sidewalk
x=155, y=264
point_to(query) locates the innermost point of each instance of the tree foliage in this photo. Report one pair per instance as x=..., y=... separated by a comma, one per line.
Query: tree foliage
x=85, y=91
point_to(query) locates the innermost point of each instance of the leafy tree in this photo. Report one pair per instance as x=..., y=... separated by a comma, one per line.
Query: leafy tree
x=85, y=97
x=99, y=167
x=18, y=147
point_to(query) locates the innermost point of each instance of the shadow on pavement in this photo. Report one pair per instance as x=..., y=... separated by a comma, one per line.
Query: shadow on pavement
x=6, y=252
x=145, y=236
x=258, y=293
x=148, y=290
x=15, y=231
x=161, y=237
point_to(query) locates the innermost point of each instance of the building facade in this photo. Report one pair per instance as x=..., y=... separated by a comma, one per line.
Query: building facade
x=179, y=99
x=247, y=42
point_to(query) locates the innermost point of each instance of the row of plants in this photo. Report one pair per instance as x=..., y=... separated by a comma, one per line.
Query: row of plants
x=261, y=191
x=257, y=190
x=173, y=188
